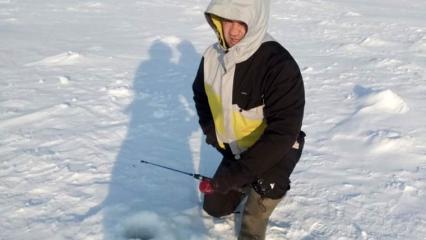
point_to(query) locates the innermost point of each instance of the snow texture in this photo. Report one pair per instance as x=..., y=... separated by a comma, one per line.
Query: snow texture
x=90, y=88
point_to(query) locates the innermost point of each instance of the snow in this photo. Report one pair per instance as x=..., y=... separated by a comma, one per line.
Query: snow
x=90, y=88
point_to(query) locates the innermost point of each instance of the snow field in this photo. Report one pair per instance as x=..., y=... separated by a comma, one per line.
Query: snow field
x=89, y=88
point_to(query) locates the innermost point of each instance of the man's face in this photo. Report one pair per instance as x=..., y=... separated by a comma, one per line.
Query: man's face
x=233, y=31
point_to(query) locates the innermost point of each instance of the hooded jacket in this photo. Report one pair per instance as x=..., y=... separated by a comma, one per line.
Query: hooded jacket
x=250, y=97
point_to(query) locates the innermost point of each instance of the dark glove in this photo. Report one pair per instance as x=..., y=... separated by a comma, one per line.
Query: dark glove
x=210, y=133
x=230, y=176
x=211, y=139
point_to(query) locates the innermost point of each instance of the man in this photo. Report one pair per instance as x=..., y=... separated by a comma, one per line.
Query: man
x=249, y=97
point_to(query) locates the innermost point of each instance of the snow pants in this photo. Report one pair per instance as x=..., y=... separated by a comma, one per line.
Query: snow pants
x=257, y=211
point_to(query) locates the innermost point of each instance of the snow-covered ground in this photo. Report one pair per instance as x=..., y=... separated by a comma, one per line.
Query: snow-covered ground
x=90, y=88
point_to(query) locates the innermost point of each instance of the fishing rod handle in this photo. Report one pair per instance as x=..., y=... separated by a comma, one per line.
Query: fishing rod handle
x=201, y=177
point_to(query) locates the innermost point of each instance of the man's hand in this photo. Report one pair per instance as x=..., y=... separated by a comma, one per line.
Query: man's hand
x=229, y=177
x=209, y=186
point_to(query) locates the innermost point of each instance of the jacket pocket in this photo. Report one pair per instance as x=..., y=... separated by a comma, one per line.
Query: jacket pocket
x=248, y=125
x=255, y=113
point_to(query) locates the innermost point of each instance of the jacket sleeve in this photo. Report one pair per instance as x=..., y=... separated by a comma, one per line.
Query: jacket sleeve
x=202, y=105
x=284, y=100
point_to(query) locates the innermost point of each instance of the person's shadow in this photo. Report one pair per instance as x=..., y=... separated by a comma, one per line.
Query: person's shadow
x=162, y=120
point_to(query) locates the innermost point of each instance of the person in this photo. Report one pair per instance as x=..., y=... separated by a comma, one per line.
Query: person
x=249, y=96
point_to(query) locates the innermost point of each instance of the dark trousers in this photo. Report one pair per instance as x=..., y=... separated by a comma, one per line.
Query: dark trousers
x=257, y=211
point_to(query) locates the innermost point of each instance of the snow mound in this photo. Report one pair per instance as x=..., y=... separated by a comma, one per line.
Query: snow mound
x=63, y=59
x=384, y=101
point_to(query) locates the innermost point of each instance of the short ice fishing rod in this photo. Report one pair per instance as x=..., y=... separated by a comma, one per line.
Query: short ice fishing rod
x=205, y=186
x=194, y=175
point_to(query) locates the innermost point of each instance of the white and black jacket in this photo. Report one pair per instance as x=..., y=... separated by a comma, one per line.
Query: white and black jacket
x=250, y=102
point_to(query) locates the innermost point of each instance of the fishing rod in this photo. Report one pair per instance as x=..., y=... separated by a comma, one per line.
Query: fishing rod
x=205, y=186
x=194, y=175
